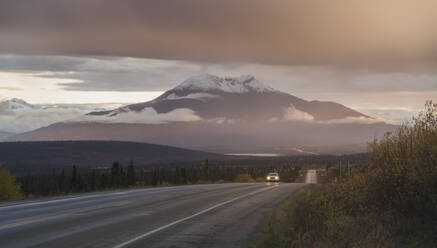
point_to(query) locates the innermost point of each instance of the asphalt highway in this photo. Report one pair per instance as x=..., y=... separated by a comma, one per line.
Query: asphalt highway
x=209, y=215
x=311, y=176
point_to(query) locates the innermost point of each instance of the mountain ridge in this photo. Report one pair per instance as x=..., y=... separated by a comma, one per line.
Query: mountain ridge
x=90, y=154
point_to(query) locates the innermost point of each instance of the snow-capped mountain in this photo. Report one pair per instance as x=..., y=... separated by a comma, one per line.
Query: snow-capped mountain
x=229, y=115
x=16, y=103
x=234, y=99
x=206, y=82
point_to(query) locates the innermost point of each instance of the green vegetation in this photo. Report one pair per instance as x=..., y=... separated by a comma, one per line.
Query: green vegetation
x=390, y=202
x=244, y=178
x=9, y=189
x=39, y=181
x=118, y=176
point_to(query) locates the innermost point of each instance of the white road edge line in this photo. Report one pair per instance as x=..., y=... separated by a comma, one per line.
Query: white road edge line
x=189, y=217
x=98, y=195
x=74, y=198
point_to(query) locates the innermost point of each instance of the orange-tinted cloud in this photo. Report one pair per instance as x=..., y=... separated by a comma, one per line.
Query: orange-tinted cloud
x=386, y=33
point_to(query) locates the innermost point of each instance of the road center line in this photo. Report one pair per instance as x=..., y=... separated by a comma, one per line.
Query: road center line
x=190, y=217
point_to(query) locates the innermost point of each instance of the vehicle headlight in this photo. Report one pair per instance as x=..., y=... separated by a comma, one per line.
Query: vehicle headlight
x=276, y=177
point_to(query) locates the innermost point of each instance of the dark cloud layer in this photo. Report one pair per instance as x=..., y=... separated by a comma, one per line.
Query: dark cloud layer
x=397, y=34
x=101, y=73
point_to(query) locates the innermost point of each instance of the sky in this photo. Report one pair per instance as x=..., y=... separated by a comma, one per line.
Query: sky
x=376, y=56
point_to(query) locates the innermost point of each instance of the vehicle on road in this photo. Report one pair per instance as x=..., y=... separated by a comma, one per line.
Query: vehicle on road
x=273, y=177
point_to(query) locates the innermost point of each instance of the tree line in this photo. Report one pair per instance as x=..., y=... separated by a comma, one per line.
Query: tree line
x=57, y=181
x=119, y=176
x=44, y=181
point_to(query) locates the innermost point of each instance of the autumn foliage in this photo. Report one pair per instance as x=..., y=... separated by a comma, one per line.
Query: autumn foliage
x=392, y=202
x=9, y=190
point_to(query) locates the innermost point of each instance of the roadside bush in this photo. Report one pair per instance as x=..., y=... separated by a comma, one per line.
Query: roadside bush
x=204, y=182
x=260, y=179
x=392, y=203
x=244, y=178
x=9, y=190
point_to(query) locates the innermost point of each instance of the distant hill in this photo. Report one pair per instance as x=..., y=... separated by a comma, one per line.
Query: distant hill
x=21, y=156
x=5, y=134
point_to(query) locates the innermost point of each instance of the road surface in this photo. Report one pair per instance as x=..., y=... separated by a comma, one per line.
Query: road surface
x=311, y=176
x=214, y=215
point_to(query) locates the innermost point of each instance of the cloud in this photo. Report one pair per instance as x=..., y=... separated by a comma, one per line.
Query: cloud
x=17, y=116
x=119, y=79
x=146, y=116
x=389, y=115
x=311, y=32
x=10, y=88
x=102, y=73
x=293, y=114
x=221, y=120
x=359, y=120
x=143, y=74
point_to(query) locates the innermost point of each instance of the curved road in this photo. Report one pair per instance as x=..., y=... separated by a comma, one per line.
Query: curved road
x=213, y=215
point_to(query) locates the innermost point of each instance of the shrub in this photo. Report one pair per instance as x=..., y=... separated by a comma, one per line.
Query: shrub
x=244, y=178
x=260, y=179
x=9, y=190
x=391, y=203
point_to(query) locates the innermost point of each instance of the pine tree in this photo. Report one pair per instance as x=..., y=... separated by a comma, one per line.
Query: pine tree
x=115, y=174
x=61, y=181
x=74, y=179
x=184, y=176
x=93, y=180
x=177, y=176
x=155, y=177
x=131, y=174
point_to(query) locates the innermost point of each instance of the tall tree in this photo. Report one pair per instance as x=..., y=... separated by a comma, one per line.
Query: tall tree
x=61, y=181
x=74, y=178
x=115, y=174
x=131, y=174
x=93, y=180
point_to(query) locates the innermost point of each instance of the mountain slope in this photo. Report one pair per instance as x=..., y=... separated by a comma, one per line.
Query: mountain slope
x=221, y=138
x=90, y=154
x=5, y=134
x=243, y=98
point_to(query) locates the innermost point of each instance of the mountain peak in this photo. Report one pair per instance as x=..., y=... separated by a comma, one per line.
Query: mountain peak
x=16, y=103
x=15, y=100
x=207, y=82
